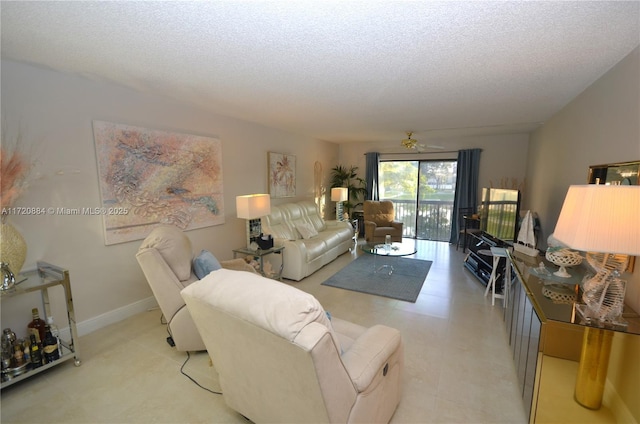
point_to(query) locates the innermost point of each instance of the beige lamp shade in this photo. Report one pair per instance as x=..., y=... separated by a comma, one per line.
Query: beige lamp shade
x=601, y=218
x=252, y=206
x=339, y=194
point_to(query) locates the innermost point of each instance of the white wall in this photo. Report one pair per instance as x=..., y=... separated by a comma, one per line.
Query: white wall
x=601, y=125
x=55, y=112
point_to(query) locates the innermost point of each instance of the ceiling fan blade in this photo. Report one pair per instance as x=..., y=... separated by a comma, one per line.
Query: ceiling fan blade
x=421, y=147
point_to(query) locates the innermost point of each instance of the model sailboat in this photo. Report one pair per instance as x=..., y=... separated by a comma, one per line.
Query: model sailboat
x=526, y=242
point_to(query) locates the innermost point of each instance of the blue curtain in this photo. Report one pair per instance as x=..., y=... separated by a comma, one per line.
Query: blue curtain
x=371, y=175
x=466, y=195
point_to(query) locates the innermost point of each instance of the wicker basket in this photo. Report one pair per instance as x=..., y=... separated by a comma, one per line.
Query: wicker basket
x=563, y=258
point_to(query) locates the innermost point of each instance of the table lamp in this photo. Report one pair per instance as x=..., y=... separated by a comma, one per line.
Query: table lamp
x=252, y=207
x=604, y=221
x=339, y=195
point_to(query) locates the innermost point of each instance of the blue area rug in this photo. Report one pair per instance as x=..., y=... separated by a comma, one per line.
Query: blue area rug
x=404, y=283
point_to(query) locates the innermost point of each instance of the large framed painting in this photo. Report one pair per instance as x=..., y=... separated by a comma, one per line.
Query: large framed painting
x=150, y=177
x=282, y=175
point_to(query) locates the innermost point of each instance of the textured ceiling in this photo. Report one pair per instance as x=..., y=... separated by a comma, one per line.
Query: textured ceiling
x=338, y=71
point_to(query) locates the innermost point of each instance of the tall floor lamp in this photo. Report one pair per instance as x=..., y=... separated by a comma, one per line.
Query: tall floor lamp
x=339, y=195
x=604, y=221
x=252, y=207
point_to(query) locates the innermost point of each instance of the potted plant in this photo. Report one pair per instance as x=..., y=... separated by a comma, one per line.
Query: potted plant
x=342, y=176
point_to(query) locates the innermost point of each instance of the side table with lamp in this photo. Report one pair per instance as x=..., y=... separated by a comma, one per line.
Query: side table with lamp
x=252, y=207
x=604, y=222
x=339, y=195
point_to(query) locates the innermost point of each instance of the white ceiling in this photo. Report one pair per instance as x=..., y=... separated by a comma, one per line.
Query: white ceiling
x=338, y=71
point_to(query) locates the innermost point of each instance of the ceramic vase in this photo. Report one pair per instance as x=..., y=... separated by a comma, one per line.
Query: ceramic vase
x=13, y=247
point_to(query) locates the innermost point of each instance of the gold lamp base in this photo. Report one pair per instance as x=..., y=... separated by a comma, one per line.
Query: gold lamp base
x=592, y=371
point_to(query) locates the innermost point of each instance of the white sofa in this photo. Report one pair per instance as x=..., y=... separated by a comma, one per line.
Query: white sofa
x=280, y=359
x=304, y=255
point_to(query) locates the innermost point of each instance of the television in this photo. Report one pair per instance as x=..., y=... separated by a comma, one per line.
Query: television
x=500, y=213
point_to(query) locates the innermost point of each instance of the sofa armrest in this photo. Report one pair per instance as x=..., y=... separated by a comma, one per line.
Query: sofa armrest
x=370, y=225
x=369, y=354
x=397, y=225
x=332, y=223
x=237, y=265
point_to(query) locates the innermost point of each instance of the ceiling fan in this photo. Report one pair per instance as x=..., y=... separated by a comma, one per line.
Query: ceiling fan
x=413, y=144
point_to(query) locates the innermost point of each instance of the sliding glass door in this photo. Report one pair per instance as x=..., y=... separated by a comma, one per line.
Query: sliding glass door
x=422, y=193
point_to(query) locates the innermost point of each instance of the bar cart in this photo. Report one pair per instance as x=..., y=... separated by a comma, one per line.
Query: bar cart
x=41, y=279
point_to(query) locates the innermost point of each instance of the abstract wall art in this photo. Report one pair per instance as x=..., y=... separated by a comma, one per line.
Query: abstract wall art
x=150, y=177
x=282, y=175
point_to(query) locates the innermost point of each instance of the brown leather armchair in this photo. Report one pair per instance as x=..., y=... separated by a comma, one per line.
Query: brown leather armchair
x=379, y=220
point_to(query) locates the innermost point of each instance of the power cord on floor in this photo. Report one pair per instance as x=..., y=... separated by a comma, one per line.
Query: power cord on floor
x=172, y=344
x=192, y=379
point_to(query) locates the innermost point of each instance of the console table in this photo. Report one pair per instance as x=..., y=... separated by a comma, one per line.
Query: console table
x=541, y=324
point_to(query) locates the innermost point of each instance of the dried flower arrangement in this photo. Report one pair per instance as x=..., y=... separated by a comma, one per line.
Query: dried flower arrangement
x=14, y=170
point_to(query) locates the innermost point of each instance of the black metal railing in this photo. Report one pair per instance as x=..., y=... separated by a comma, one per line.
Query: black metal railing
x=428, y=220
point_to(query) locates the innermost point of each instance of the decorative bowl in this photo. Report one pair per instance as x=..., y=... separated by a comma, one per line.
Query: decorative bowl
x=564, y=258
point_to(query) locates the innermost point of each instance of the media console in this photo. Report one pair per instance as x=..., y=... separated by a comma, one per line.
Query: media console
x=480, y=261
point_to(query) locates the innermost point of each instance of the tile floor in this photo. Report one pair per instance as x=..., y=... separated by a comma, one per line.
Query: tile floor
x=458, y=365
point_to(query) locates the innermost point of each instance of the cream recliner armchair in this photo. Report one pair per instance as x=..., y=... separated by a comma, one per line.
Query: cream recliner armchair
x=281, y=359
x=165, y=257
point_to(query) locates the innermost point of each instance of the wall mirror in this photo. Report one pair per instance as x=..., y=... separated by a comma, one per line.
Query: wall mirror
x=624, y=173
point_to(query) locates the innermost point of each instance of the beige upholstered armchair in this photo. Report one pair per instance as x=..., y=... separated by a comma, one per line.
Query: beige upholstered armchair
x=165, y=257
x=281, y=359
x=379, y=221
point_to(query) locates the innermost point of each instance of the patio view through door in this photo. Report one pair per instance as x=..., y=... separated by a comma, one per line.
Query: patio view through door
x=422, y=192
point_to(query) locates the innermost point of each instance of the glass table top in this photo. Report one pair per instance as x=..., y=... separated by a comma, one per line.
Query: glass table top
x=407, y=247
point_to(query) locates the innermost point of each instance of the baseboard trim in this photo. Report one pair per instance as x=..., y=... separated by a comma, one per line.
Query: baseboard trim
x=111, y=317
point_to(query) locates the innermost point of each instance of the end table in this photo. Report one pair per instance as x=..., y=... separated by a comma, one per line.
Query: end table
x=259, y=255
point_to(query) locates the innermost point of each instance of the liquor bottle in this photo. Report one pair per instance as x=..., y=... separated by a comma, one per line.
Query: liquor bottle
x=50, y=346
x=18, y=355
x=55, y=332
x=26, y=352
x=37, y=326
x=36, y=353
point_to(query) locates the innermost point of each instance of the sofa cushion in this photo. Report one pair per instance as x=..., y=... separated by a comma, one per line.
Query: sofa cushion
x=269, y=304
x=174, y=247
x=306, y=230
x=293, y=214
x=315, y=247
x=310, y=211
x=204, y=263
x=275, y=224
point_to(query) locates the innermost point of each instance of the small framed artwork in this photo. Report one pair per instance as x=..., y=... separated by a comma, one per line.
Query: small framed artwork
x=282, y=175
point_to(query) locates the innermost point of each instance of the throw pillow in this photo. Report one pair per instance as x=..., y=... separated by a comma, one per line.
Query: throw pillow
x=204, y=263
x=306, y=230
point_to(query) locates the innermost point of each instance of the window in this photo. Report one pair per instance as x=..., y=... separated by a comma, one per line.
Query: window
x=422, y=192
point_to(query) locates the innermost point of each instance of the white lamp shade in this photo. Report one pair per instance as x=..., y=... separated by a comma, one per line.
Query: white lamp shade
x=252, y=206
x=601, y=218
x=339, y=194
